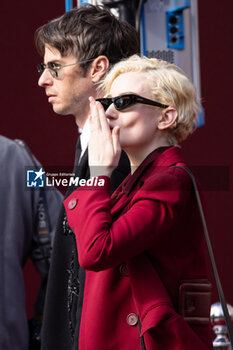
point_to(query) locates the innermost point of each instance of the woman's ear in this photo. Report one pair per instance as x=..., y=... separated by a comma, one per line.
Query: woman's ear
x=98, y=68
x=168, y=118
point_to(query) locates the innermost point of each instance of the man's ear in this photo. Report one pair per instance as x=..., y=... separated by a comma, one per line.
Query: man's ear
x=168, y=118
x=98, y=68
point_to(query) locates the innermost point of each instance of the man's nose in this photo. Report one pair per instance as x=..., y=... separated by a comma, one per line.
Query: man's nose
x=45, y=79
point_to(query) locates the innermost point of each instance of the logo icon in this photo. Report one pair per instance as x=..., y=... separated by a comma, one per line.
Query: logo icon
x=36, y=178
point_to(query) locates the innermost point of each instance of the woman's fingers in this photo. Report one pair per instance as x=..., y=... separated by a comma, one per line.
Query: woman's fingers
x=104, y=147
x=94, y=120
x=102, y=118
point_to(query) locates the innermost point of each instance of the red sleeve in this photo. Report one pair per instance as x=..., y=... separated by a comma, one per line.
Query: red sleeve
x=103, y=243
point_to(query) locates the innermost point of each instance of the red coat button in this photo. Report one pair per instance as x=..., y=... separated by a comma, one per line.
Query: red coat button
x=72, y=203
x=132, y=319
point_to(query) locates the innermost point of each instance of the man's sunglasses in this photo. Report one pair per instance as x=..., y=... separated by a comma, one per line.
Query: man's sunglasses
x=124, y=101
x=54, y=68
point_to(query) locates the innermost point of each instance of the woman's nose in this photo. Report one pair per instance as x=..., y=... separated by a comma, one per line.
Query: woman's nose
x=111, y=112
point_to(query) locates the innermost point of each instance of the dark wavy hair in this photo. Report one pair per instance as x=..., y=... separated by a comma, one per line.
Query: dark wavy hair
x=87, y=33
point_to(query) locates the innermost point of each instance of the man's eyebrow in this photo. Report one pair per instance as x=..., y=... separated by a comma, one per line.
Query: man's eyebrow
x=55, y=60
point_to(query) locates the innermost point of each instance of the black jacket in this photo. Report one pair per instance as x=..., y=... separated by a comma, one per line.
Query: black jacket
x=19, y=241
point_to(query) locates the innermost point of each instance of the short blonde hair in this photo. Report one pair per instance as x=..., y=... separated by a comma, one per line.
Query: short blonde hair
x=169, y=86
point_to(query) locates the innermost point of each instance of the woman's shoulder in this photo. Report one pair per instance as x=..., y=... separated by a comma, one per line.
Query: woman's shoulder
x=168, y=171
x=173, y=177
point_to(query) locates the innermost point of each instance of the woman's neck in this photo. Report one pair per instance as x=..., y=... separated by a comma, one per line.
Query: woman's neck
x=138, y=154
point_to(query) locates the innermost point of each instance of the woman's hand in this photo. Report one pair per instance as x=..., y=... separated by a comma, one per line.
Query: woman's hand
x=104, y=149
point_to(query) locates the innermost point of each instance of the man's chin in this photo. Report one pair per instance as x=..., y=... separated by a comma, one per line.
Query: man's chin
x=59, y=110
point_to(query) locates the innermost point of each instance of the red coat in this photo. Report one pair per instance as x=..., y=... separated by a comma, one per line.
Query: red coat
x=136, y=248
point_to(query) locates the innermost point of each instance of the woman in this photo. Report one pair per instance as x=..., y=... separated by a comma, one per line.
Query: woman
x=142, y=248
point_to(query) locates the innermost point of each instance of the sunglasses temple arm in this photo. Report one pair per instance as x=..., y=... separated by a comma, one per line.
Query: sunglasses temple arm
x=153, y=103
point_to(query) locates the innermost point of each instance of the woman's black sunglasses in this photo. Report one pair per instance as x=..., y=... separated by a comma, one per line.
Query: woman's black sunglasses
x=124, y=101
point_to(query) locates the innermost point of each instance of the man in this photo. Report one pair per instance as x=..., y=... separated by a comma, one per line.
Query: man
x=78, y=49
x=27, y=225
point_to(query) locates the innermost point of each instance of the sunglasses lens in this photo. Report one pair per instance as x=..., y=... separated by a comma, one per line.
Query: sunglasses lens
x=40, y=68
x=53, y=73
x=53, y=69
x=105, y=102
x=122, y=102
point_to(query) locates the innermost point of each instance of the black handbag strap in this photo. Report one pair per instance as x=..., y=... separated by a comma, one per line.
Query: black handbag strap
x=218, y=283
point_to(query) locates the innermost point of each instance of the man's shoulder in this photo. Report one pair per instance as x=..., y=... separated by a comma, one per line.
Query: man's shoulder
x=6, y=143
x=14, y=155
x=9, y=149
